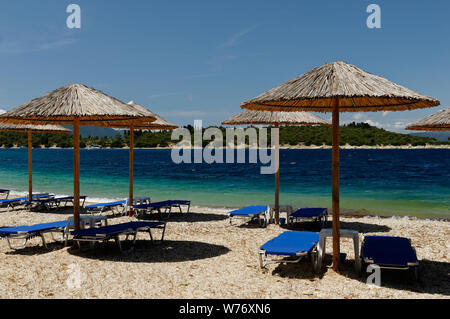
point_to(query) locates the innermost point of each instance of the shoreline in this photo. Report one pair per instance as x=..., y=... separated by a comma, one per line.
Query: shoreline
x=345, y=213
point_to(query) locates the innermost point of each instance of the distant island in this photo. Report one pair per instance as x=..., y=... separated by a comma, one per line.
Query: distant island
x=352, y=135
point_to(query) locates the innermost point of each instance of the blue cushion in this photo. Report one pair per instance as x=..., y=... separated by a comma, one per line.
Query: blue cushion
x=388, y=251
x=308, y=212
x=106, y=204
x=249, y=210
x=290, y=243
x=33, y=228
x=114, y=229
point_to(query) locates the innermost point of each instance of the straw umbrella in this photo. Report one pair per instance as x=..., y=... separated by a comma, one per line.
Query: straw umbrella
x=339, y=87
x=158, y=124
x=439, y=121
x=75, y=104
x=29, y=129
x=275, y=118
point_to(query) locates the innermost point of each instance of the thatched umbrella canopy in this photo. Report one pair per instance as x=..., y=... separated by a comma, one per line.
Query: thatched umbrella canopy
x=158, y=124
x=75, y=104
x=339, y=87
x=439, y=121
x=249, y=117
x=29, y=129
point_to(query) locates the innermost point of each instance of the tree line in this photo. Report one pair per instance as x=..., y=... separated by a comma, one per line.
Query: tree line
x=355, y=134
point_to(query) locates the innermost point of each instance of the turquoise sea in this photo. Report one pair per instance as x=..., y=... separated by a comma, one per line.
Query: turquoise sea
x=414, y=182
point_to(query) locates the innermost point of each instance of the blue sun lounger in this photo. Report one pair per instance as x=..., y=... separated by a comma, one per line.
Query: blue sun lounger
x=12, y=202
x=309, y=213
x=27, y=232
x=105, y=233
x=162, y=207
x=292, y=244
x=118, y=206
x=389, y=252
x=251, y=213
x=55, y=202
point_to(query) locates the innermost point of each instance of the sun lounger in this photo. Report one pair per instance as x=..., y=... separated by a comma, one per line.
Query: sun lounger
x=389, y=252
x=26, y=232
x=258, y=212
x=105, y=233
x=308, y=213
x=162, y=207
x=118, y=207
x=56, y=202
x=12, y=202
x=291, y=244
x=4, y=192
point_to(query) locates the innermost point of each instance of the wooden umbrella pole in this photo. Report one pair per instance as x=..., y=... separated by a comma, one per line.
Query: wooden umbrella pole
x=76, y=173
x=335, y=173
x=30, y=167
x=130, y=201
x=277, y=174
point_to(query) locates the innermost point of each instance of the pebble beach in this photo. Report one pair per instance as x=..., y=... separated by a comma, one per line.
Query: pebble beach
x=203, y=256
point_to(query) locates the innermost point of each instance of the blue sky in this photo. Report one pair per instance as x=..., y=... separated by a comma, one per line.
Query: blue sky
x=198, y=59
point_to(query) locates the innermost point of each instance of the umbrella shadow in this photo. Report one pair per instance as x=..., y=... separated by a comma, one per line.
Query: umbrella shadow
x=434, y=277
x=146, y=252
x=298, y=270
x=183, y=217
x=364, y=227
x=37, y=249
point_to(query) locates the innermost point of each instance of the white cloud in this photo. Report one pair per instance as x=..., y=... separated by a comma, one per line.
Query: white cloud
x=358, y=116
x=2, y=111
x=237, y=37
x=384, y=113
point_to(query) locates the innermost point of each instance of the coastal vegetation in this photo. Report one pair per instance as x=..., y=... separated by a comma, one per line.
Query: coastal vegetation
x=355, y=134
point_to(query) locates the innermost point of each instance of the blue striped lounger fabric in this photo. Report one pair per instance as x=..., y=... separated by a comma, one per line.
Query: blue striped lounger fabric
x=27, y=232
x=389, y=252
x=251, y=213
x=105, y=233
x=309, y=213
x=295, y=244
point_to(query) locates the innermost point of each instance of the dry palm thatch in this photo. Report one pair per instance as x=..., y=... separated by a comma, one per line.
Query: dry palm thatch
x=357, y=91
x=158, y=124
x=7, y=127
x=275, y=118
x=75, y=101
x=439, y=121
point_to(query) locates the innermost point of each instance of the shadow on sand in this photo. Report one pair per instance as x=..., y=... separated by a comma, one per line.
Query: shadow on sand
x=145, y=251
x=360, y=227
x=183, y=217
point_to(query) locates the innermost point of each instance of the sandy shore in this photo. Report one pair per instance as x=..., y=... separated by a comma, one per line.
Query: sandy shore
x=204, y=257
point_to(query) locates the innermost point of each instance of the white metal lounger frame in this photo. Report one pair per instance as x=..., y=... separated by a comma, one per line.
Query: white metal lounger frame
x=264, y=259
x=28, y=235
x=322, y=219
x=132, y=232
x=250, y=217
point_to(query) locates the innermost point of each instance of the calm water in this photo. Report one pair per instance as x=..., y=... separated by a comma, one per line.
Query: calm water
x=385, y=182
